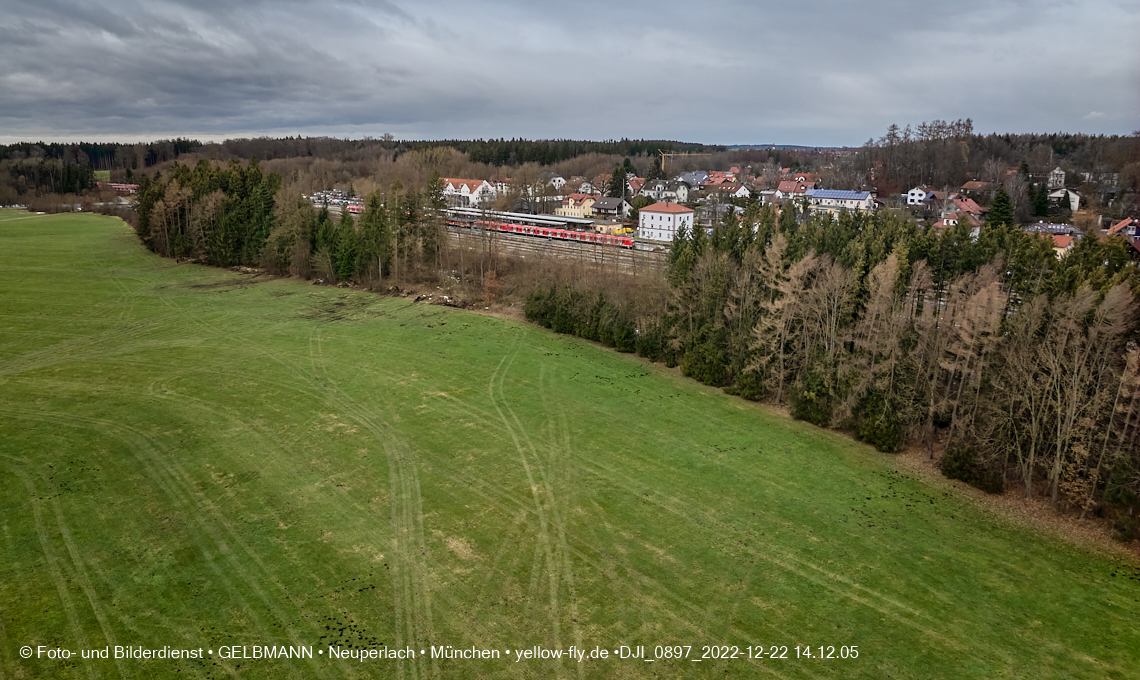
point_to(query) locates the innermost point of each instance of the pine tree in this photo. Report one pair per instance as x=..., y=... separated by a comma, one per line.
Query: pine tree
x=616, y=185
x=1001, y=209
x=655, y=171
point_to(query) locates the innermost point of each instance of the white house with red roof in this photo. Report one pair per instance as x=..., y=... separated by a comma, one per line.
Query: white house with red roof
x=1126, y=227
x=661, y=221
x=467, y=193
x=793, y=189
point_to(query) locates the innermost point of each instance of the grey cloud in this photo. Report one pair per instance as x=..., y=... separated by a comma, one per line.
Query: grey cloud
x=829, y=73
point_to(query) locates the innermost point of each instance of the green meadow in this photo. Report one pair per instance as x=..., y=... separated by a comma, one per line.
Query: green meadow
x=195, y=458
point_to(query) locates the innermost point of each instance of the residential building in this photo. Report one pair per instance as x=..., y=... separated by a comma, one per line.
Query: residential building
x=1062, y=244
x=661, y=221
x=974, y=189
x=1051, y=229
x=467, y=193
x=665, y=190
x=556, y=181
x=1056, y=178
x=576, y=205
x=694, y=178
x=793, y=189
x=954, y=218
x=1126, y=227
x=615, y=208
x=918, y=195
x=1062, y=195
x=835, y=200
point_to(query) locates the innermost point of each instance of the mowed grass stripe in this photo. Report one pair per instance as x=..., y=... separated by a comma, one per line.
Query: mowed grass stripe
x=216, y=458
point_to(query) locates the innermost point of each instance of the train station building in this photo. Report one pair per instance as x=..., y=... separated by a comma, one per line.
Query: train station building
x=661, y=221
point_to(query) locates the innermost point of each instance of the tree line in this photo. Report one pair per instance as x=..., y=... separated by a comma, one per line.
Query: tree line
x=1022, y=368
x=946, y=154
x=238, y=215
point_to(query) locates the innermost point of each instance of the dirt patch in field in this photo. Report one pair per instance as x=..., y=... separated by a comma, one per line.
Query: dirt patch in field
x=228, y=283
x=1036, y=514
x=353, y=307
x=509, y=312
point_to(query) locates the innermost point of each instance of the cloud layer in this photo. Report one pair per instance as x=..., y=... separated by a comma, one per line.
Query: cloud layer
x=828, y=72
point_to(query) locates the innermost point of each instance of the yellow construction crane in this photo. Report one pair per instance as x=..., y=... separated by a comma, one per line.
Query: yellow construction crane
x=677, y=153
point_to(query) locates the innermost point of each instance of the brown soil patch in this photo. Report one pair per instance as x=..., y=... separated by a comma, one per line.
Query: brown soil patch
x=1035, y=514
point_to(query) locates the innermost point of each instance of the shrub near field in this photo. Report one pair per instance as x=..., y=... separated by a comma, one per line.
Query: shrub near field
x=191, y=457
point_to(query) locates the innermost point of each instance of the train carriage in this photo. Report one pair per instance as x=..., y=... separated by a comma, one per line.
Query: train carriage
x=540, y=226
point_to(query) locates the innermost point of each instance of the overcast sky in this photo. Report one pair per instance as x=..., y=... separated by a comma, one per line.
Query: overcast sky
x=826, y=72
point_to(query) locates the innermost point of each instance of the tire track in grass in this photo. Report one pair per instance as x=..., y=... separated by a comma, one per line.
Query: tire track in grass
x=84, y=580
x=410, y=584
x=636, y=586
x=785, y=560
x=127, y=298
x=270, y=442
x=53, y=563
x=559, y=447
x=204, y=535
x=682, y=612
x=162, y=332
x=280, y=448
x=554, y=569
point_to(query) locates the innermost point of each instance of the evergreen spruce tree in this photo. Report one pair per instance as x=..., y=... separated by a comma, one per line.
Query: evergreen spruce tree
x=1001, y=209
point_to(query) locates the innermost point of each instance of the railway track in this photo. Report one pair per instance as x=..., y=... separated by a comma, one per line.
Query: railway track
x=528, y=247
x=535, y=247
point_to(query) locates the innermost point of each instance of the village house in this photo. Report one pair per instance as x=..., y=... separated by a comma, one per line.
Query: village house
x=973, y=189
x=918, y=195
x=576, y=205
x=556, y=181
x=1062, y=244
x=1066, y=195
x=1056, y=179
x=835, y=200
x=1064, y=236
x=793, y=189
x=694, y=178
x=1125, y=227
x=613, y=208
x=665, y=190
x=954, y=218
x=467, y=193
x=661, y=221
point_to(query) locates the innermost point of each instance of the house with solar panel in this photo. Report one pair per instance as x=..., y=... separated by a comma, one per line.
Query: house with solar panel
x=835, y=200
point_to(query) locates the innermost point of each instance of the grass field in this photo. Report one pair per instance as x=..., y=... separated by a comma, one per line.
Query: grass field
x=197, y=458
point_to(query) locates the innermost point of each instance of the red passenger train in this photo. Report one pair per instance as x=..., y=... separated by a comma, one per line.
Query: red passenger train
x=546, y=232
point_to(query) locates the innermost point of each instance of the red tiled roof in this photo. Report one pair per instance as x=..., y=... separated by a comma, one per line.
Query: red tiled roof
x=579, y=198
x=1120, y=225
x=793, y=187
x=666, y=207
x=968, y=205
x=472, y=184
x=1062, y=240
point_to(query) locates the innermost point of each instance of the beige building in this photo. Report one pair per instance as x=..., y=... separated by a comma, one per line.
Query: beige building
x=576, y=205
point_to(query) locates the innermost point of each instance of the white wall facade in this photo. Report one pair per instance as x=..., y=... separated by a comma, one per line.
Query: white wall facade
x=662, y=226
